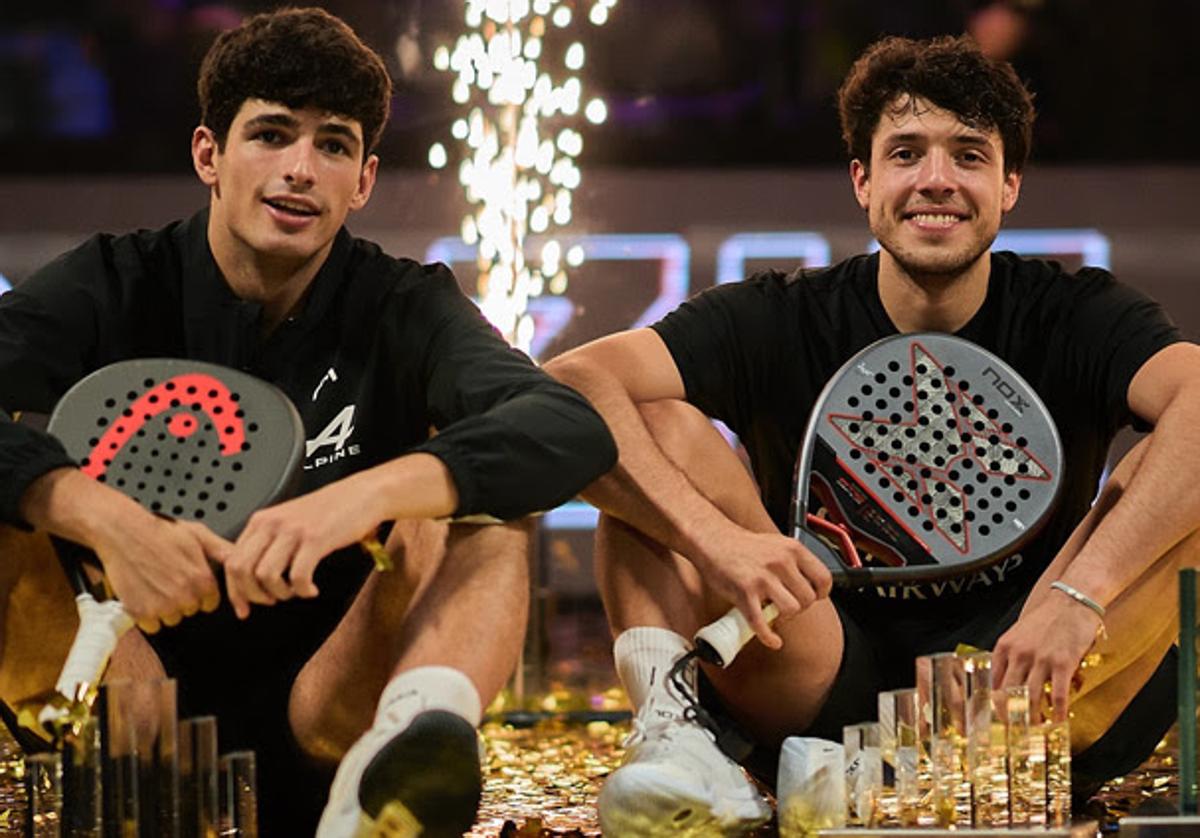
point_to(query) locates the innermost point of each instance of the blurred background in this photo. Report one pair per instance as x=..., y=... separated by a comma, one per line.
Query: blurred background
x=720, y=154
x=101, y=85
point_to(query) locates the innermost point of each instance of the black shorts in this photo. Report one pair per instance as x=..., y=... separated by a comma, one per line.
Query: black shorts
x=875, y=660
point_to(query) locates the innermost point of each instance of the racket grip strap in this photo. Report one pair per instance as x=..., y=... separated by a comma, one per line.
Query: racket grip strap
x=719, y=642
x=101, y=625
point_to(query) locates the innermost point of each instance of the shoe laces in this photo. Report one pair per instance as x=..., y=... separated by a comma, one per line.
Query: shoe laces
x=663, y=728
x=679, y=681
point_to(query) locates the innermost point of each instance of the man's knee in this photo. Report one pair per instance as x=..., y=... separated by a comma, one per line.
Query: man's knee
x=323, y=726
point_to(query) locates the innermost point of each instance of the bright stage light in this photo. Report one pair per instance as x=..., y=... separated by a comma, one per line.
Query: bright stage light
x=515, y=71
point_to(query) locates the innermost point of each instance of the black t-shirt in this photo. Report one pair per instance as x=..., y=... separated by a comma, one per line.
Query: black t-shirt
x=756, y=355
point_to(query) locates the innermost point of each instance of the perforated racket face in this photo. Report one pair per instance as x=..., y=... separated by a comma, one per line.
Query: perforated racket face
x=185, y=439
x=934, y=454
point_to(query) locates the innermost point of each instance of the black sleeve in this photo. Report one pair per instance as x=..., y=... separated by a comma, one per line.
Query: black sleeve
x=727, y=344
x=47, y=325
x=1115, y=329
x=515, y=440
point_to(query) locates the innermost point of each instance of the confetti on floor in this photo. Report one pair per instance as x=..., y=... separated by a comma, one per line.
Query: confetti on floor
x=542, y=780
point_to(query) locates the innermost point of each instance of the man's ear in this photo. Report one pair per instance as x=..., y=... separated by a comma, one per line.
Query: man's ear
x=366, y=183
x=204, y=154
x=1012, y=190
x=860, y=178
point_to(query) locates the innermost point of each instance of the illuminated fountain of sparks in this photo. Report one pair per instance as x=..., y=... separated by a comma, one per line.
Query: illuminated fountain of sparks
x=519, y=149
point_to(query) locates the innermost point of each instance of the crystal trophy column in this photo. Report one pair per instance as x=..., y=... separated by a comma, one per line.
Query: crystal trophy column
x=1058, y=774
x=158, y=758
x=1026, y=762
x=926, y=814
x=82, y=788
x=864, y=773
x=117, y=710
x=899, y=748
x=239, y=795
x=199, y=778
x=951, y=780
x=986, y=746
x=43, y=786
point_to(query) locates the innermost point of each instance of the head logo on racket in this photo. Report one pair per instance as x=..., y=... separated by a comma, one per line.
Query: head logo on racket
x=186, y=397
x=185, y=439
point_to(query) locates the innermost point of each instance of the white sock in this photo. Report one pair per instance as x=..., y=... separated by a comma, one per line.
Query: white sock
x=644, y=657
x=427, y=688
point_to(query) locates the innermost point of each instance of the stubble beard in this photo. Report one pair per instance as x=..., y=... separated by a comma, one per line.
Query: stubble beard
x=938, y=265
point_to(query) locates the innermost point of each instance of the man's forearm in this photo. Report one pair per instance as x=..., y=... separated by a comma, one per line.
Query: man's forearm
x=67, y=503
x=412, y=486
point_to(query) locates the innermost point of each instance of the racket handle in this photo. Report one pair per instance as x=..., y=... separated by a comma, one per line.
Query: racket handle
x=719, y=642
x=101, y=625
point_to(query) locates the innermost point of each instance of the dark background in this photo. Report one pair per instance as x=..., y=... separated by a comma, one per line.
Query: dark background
x=96, y=85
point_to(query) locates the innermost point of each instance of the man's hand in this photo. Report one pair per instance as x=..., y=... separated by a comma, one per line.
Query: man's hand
x=1045, y=645
x=279, y=550
x=158, y=568
x=750, y=569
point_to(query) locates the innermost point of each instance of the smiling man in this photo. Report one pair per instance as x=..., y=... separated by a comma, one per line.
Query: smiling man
x=938, y=136
x=310, y=659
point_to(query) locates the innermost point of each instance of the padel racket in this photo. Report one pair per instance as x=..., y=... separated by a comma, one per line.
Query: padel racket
x=927, y=457
x=187, y=440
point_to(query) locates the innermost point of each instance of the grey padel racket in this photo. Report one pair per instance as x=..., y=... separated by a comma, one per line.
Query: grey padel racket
x=926, y=456
x=187, y=440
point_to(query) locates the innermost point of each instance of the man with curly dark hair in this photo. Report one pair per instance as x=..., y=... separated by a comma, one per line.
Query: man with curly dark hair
x=418, y=416
x=938, y=135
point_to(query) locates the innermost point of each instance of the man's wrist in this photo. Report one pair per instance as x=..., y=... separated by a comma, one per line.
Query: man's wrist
x=709, y=539
x=1083, y=600
x=1079, y=596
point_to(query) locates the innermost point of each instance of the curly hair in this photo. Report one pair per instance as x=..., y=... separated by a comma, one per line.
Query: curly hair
x=299, y=58
x=950, y=73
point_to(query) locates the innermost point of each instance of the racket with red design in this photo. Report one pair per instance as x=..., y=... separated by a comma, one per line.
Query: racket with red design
x=188, y=440
x=924, y=457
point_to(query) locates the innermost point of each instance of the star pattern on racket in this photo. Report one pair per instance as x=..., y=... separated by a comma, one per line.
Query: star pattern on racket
x=932, y=456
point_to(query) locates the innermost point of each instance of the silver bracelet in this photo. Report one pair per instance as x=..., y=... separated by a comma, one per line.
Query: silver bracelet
x=1079, y=596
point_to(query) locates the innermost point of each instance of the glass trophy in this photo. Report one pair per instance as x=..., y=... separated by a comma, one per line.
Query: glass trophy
x=951, y=777
x=899, y=748
x=864, y=773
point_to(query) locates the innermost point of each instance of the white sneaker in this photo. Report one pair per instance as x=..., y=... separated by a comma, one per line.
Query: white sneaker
x=675, y=781
x=426, y=776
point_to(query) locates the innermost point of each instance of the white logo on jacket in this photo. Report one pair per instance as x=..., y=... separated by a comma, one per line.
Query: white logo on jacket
x=336, y=434
x=329, y=376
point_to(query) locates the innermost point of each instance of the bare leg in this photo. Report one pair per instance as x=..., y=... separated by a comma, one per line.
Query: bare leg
x=458, y=597
x=642, y=584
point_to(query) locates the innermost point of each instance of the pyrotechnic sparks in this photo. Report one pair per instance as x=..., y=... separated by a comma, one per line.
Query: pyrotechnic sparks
x=517, y=76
